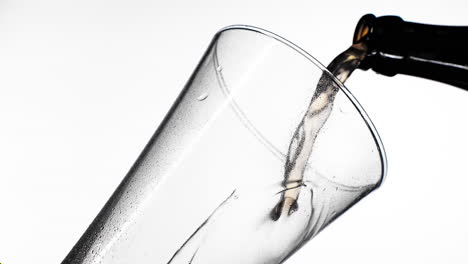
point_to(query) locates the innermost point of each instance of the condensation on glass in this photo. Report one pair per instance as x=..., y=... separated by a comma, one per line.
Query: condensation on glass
x=242, y=169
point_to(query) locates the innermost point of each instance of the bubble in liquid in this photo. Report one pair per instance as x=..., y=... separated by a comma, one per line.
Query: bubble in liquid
x=202, y=97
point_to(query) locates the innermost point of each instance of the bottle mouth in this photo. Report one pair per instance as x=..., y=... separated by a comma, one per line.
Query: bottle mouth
x=363, y=28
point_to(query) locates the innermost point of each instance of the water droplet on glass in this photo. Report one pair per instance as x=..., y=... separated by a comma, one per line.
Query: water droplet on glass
x=202, y=97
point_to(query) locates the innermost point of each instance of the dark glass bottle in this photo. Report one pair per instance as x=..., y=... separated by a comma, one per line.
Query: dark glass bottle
x=433, y=52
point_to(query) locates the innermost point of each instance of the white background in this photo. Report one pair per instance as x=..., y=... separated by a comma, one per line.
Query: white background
x=84, y=84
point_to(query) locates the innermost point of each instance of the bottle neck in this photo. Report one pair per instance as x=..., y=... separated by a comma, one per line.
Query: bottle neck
x=429, y=51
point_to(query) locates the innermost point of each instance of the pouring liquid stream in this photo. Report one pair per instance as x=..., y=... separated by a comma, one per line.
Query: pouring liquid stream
x=317, y=114
x=286, y=218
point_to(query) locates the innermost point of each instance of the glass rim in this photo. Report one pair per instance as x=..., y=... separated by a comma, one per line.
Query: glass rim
x=349, y=95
